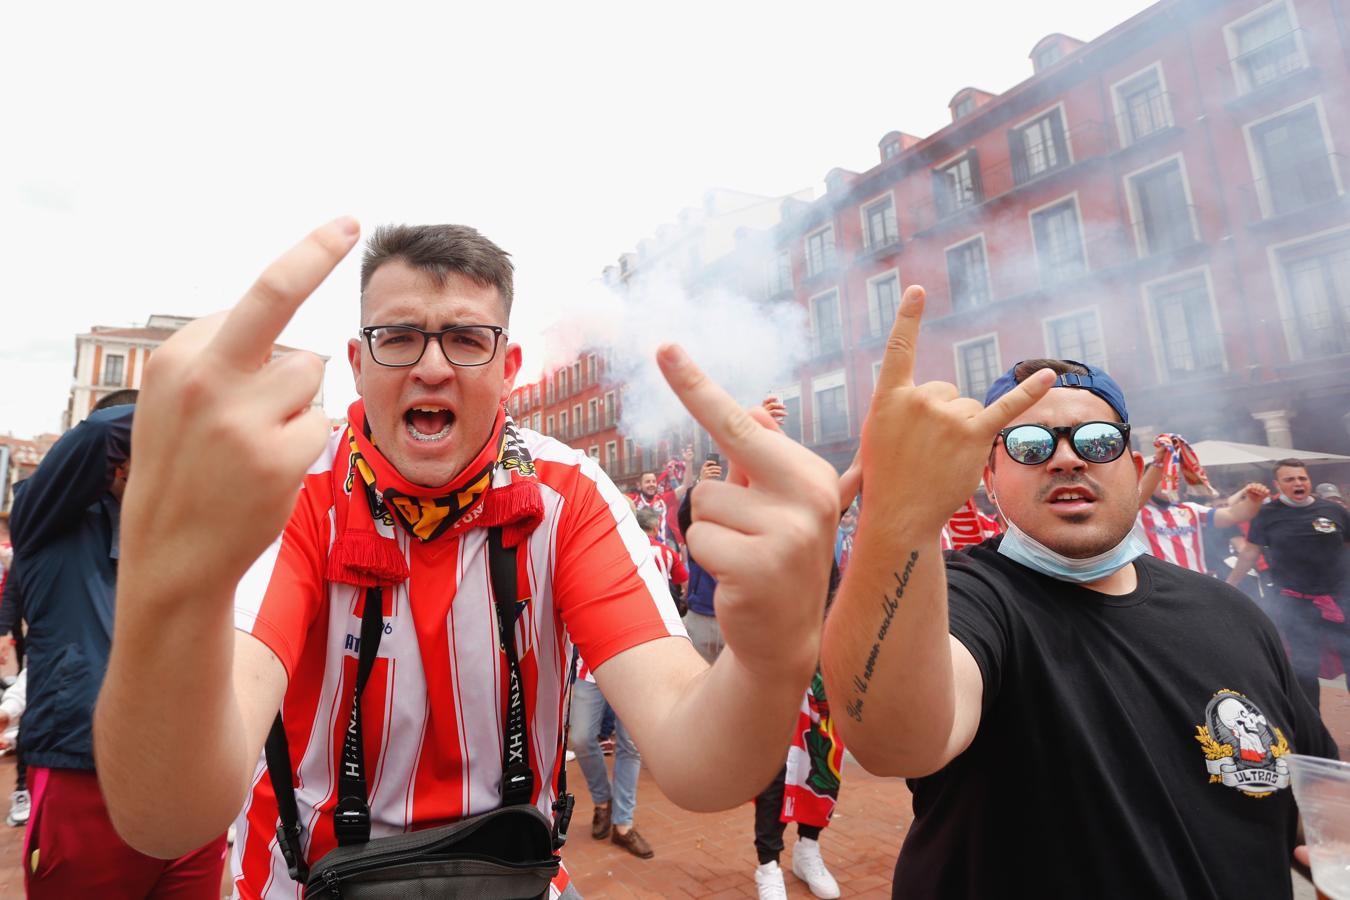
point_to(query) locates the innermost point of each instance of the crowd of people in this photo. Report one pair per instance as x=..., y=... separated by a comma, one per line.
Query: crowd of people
x=325, y=640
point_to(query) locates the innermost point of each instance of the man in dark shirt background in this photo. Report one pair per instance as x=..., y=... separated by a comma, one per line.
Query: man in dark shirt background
x=1303, y=538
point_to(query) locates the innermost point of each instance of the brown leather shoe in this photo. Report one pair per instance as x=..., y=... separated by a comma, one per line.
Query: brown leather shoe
x=600, y=822
x=634, y=843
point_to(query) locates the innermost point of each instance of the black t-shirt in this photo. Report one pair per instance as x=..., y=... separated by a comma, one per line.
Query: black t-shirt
x=1305, y=546
x=1128, y=746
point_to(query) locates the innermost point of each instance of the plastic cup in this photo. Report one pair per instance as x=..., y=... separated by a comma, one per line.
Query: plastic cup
x=1322, y=790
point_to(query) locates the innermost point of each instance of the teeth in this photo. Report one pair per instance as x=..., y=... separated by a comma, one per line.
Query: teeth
x=419, y=436
x=429, y=409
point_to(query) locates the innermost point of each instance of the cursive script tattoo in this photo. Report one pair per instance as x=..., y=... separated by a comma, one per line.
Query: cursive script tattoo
x=889, y=604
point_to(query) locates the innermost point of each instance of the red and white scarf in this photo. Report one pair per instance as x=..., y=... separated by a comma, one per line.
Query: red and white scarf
x=1181, y=465
x=811, y=781
x=498, y=487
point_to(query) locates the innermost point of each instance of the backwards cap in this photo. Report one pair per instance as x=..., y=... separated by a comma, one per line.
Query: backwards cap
x=1095, y=381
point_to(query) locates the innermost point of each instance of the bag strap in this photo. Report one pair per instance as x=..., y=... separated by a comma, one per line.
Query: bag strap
x=351, y=817
x=563, y=801
x=517, y=776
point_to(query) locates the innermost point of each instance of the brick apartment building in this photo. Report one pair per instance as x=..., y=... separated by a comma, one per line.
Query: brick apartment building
x=1168, y=200
x=110, y=358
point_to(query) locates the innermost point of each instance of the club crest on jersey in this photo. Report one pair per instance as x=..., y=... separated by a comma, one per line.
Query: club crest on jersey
x=1242, y=749
x=1323, y=525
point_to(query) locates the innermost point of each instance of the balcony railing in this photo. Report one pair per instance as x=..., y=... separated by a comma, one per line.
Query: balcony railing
x=1319, y=333
x=1293, y=187
x=1086, y=141
x=1145, y=118
x=1166, y=233
x=1277, y=58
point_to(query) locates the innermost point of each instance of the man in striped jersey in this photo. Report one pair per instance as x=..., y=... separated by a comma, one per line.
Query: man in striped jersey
x=241, y=597
x=1173, y=528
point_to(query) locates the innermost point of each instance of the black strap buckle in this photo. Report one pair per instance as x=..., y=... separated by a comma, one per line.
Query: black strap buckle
x=562, y=817
x=289, y=842
x=351, y=821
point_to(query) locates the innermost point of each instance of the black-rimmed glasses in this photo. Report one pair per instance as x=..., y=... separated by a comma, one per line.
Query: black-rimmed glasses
x=403, y=345
x=1094, y=442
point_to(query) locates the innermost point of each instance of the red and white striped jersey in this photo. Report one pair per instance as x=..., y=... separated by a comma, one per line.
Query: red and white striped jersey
x=432, y=710
x=1173, y=532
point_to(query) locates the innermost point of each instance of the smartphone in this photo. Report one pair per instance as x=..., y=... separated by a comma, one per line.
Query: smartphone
x=715, y=459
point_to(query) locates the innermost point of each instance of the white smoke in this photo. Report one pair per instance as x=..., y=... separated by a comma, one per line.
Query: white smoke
x=747, y=347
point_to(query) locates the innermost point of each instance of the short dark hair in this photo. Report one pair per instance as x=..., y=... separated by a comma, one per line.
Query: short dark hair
x=1289, y=463
x=124, y=397
x=642, y=475
x=439, y=251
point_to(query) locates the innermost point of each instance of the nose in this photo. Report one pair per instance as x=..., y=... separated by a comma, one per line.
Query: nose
x=434, y=367
x=1064, y=459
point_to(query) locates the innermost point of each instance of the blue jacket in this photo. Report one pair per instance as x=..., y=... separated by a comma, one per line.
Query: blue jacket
x=64, y=528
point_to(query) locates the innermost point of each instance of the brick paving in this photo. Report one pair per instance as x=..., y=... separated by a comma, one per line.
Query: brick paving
x=712, y=854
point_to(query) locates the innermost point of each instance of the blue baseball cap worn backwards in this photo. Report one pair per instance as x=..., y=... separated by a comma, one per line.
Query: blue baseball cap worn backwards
x=1095, y=381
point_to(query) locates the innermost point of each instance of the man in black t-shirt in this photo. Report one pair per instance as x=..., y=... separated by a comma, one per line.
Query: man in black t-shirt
x=1304, y=540
x=1076, y=717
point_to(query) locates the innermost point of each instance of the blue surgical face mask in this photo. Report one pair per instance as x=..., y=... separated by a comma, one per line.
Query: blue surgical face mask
x=1022, y=548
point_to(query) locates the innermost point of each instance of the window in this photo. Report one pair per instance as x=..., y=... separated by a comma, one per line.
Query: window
x=829, y=397
x=113, y=367
x=792, y=402
x=548, y=392
x=820, y=251
x=1293, y=158
x=535, y=422
x=563, y=433
x=593, y=451
x=1318, y=280
x=611, y=457
x=609, y=409
x=891, y=150
x=977, y=366
x=780, y=274
x=963, y=107
x=825, y=323
x=1047, y=57
x=1163, y=217
x=577, y=423
x=957, y=185
x=1039, y=147
x=883, y=299
x=1059, y=242
x=590, y=369
x=593, y=414
x=1187, y=333
x=629, y=454
x=534, y=395
x=1075, y=336
x=1143, y=107
x=968, y=275
x=1265, y=49
x=576, y=381
x=879, y=227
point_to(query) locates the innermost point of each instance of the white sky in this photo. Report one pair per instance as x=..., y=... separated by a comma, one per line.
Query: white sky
x=156, y=158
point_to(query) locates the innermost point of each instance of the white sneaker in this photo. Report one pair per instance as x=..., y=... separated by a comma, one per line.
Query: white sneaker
x=769, y=882
x=809, y=867
x=19, y=807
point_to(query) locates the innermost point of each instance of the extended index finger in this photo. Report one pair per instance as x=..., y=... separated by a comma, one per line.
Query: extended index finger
x=248, y=332
x=897, y=365
x=756, y=450
x=1017, y=401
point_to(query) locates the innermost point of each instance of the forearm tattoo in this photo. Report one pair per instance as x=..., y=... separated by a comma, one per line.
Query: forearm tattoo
x=889, y=604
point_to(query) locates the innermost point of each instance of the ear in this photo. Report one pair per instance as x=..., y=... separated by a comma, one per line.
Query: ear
x=988, y=479
x=511, y=368
x=354, y=360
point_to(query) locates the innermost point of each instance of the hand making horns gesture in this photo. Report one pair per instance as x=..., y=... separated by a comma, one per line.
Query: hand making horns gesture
x=924, y=447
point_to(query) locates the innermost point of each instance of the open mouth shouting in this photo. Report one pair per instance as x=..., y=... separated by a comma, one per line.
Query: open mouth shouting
x=1071, y=499
x=427, y=423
